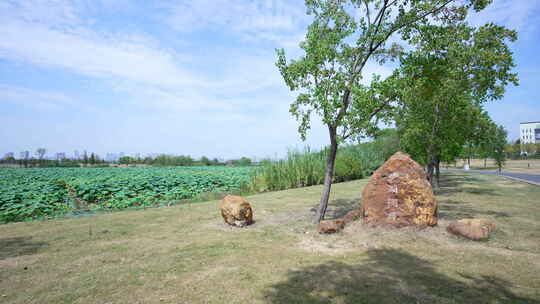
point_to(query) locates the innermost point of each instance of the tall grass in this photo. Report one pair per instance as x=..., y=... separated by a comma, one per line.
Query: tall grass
x=305, y=167
x=298, y=169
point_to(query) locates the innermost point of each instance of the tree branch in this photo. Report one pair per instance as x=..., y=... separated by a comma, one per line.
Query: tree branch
x=393, y=30
x=367, y=11
x=380, y=108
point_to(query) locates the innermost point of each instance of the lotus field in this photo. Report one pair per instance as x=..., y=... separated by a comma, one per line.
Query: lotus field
x=27, y=194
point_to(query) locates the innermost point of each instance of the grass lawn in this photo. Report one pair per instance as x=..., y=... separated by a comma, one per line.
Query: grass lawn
x=529, y=166
x=185, y=254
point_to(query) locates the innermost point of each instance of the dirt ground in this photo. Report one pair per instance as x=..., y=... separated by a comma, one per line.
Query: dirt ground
x=185, y=254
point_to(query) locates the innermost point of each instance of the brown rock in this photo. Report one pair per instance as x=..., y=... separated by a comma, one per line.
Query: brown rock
x=352, y=215
x=330, y=226
x=473, y=229
x=399, y=194
x=236, y=211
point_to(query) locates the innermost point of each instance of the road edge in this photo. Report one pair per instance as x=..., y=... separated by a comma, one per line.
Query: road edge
x=494, y=174
x=520, y=180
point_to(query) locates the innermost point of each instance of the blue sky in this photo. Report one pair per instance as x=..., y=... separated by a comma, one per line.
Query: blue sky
x=183, y=77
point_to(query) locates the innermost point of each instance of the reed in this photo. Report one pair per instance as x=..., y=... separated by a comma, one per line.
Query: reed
x=302, y=168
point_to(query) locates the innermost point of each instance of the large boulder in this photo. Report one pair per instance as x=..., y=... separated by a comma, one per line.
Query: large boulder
x=236, y=211
x=398, y=195
x=472, y=229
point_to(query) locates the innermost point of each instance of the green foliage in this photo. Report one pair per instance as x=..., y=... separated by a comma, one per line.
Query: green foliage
x=498, y=144
x=169, y=160
x=205, y=161
x=125, y=160
x=348, y=167
x=454, y=69
x=299, y=169
x=243, y=161
x=343, y=37
x=27, y=194
x=530, y=148
x=307, y=167
x=387, y=142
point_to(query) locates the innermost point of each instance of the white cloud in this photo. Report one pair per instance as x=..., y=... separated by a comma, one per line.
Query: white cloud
x=83, y=53
x=53, y=12
x=136, y=65
x=281, y=22
x=517, y=15
x=230, y=98
x=32, y=98
x=236, y=15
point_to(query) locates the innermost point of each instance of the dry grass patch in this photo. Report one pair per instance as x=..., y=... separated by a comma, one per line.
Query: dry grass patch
x=185, y=254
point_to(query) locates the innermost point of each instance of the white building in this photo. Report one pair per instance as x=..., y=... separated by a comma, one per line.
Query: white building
x=529, y=132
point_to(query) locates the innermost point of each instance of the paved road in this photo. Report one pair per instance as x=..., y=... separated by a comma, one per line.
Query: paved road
x=531, y=178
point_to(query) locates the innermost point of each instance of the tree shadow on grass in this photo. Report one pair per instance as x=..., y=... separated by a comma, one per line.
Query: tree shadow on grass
x=456, y=183
x=389, y=276
x=18, y=246
x=338, y=208
x=452, y=210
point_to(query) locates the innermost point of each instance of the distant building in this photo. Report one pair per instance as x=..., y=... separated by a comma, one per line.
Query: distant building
x=529, y=132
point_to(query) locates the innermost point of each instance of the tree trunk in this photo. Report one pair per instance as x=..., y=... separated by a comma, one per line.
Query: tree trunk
x=438, y=170
x=485, y=162
x=429, y=171
x=329, y=174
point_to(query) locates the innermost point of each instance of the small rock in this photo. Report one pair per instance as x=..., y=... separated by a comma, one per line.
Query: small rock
x=472, y=229
x=330, y=226
x=352, y=215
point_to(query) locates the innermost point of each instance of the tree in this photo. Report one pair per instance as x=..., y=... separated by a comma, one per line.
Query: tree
x=510, y=149
x=498, y=144
x=124, y=160
x=205, y=161
x=530, y=148
x=480, y=138
x=9, y=158
x=454, y=69
x=24, y=157
x=517, y=146
x=243, y=161
x=386, y=142
x=92, y=159
x=40, y=152
x=343, y=37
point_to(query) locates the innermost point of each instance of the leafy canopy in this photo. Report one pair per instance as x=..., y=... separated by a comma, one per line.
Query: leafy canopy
x=454, y=69
x=343, y=37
